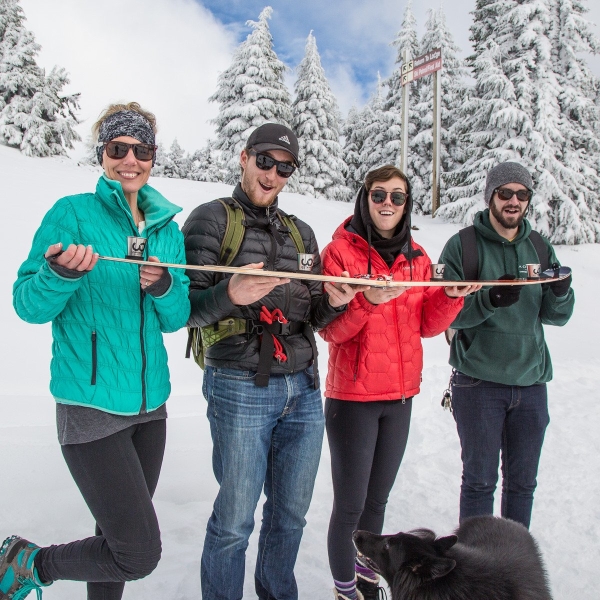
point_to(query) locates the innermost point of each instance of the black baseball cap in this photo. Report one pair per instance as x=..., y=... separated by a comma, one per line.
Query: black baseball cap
x=273, y=136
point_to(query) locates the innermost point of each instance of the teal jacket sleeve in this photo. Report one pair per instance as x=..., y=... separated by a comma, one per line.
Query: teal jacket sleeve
x=40, y=294
x=173, y=307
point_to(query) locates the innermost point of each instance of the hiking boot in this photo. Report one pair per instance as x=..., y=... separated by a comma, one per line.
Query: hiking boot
x=18, y=576
x=370, y=590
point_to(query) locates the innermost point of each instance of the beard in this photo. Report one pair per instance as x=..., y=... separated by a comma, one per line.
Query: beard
x=508, y=221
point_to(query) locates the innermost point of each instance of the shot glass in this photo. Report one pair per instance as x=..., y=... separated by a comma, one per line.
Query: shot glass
x=305, y=262
x=136, y=247
x=533, y=271
x=437, y=271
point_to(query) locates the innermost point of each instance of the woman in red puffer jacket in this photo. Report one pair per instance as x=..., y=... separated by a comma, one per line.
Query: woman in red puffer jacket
x=375, y=365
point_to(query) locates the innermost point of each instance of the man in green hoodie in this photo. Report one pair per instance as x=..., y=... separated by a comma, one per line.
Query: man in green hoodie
x=500, y=359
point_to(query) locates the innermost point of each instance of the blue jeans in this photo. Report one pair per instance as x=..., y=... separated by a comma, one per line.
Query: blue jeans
x=269, y=437
x=492, y=418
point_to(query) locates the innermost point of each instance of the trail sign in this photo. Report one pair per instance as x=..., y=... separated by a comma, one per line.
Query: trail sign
x=423, y=65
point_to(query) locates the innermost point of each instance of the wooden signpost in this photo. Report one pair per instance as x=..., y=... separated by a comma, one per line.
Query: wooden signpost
x=429, y=63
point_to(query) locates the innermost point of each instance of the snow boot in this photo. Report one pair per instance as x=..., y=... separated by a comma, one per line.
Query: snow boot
x=18, y=576
x=370, y=589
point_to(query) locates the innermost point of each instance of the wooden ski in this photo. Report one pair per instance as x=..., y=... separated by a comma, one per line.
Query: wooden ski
x=546, y=277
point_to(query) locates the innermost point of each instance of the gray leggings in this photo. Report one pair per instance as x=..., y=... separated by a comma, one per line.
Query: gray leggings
x=367, y=442
x=117, y=476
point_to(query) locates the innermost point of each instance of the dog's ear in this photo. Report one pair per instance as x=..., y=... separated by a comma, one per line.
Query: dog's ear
x=441, y=567
x=445, y=543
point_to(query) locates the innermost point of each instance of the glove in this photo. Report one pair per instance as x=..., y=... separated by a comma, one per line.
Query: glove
x=505, y=295
x=561, y=288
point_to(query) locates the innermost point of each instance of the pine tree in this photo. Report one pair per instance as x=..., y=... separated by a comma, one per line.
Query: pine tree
x=514, y=114
x=250, y=92
x=453, y=94
x=354, y=138
x=206, y=164
x=580, y=153
x=35, y=116
x=392, y=106
x=316, y=121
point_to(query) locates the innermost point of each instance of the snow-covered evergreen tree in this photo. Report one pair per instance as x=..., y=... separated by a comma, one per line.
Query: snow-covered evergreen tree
x=35, y=115
x=453, y=94
x=514, y=114
x=375, y=123
x=405, y=39
x=354, y=137
x=316, y=121
x=250, y=92
x=206, y=164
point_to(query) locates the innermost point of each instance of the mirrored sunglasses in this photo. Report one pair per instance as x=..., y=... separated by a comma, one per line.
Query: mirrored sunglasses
x=506, y=194
x=266, y=162
x=117, y=150
x=379, y=196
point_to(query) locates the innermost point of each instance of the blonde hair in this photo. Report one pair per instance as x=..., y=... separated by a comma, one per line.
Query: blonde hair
x=115, y=108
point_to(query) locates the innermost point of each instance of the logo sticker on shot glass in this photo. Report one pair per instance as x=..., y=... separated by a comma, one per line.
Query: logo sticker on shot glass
x=437, y=271
x=136, y=247
x=533, y=271
x=305, y=262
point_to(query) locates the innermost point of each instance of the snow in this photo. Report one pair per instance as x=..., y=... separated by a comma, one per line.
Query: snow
x=40, y=501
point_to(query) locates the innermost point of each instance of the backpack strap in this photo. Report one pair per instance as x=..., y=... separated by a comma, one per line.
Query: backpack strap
x=542, y=250
x=234, y=231
x=289, y=221
x=470, y=254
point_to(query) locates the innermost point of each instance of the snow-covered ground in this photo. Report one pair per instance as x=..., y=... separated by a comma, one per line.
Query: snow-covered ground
x=39, y=500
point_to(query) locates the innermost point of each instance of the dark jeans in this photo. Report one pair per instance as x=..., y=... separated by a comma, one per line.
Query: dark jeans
x=367, y=442
x=117, y=476
x=494, y=419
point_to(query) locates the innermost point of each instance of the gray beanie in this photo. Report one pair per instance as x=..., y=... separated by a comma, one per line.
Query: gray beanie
x=507, y=172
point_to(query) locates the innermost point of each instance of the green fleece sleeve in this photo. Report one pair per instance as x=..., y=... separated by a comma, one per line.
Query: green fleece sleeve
x=556, y=310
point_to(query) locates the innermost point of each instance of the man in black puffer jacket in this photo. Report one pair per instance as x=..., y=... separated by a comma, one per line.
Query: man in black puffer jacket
x=264, y=403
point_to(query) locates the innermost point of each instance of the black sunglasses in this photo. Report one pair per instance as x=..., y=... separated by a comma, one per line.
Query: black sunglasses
x=143, y=152
x=266, y=162
x=506, y=194
x=379, y=196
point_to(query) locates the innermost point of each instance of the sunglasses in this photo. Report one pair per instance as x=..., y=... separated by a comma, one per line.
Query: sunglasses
x=143, y=152
x=506, y=194
x=266, y=163
x=379, y=196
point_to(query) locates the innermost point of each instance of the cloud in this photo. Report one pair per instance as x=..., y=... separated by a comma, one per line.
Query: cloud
x=164, y=54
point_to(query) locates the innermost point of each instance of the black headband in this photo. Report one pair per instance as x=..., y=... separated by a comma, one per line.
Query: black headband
x=125, y=122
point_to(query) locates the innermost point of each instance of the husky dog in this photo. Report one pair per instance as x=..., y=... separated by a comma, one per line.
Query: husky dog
x=488, y=558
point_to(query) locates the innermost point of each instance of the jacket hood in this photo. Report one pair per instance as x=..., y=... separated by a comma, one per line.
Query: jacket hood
x=399, y=243
x=484, y=226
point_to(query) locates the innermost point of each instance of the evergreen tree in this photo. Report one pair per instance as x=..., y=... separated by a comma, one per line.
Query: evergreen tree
x=453, y=94
x=353, y=132
x=316, y=121
x=392, y=106
x=35, y=116
x=250, y=92
x=514, y=114
x=206, y=164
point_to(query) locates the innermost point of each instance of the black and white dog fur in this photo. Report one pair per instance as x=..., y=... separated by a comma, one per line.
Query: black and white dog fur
x=488, y=558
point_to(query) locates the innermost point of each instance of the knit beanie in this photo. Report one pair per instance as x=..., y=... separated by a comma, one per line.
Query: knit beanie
x=507, y=172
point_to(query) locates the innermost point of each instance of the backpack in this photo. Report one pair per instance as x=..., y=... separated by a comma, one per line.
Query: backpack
x=201, y=338
x=470, y=259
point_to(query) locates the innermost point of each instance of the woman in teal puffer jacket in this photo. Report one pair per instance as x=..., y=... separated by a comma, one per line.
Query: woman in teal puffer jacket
x=109, y=371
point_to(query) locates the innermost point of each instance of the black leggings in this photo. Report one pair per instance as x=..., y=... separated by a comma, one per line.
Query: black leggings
x=117, y=476
x=367, y=442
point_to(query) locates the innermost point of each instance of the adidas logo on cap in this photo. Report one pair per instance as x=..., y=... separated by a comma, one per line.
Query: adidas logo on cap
x=285, y=138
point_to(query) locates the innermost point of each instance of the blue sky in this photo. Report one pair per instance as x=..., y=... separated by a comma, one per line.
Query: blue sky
x=167, y=54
